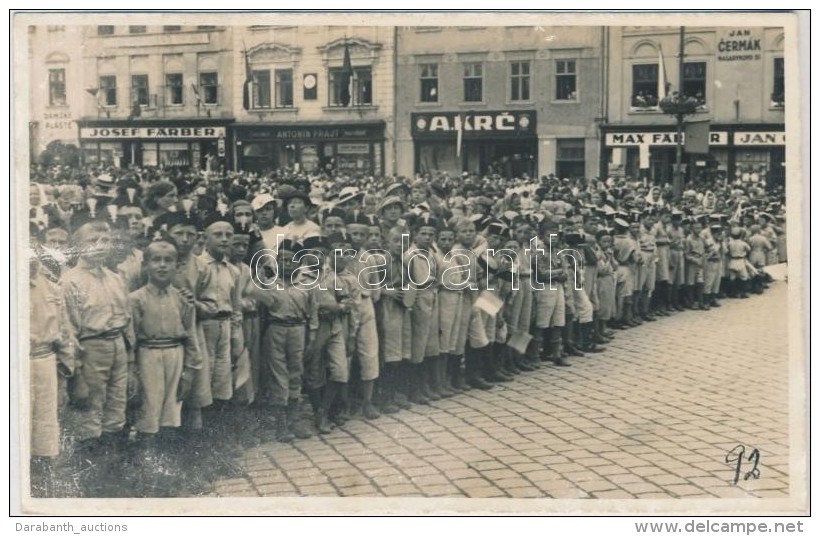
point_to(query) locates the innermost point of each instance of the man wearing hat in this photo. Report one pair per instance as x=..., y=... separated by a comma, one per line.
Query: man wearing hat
x=296, y=203
x=264, y=208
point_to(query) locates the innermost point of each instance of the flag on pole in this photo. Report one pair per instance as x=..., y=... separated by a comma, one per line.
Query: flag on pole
x=661, y=75
x=247, y=89
x=696, y=137
x=196, y=94
x=459, y=133
x=347, y=78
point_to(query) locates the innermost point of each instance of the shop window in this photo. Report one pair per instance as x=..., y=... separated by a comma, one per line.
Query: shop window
x=473, y=82
x=150, y=154
x=284, y=88
x=565, y=80
x=429, y=82
x=174, y=87
x=361, y=86
x=520, y=81
x=56, y=87
x=209, y=88
x=779, y=87
x=261, y=88
x=174, y=155
x=105, y=30
x=108, y=88
x=570, y=158
x=139, y=90
x=645, y=85
x=694, y=81
x=137, y=29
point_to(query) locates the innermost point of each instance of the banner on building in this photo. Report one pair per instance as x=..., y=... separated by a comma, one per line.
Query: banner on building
x=696, y=137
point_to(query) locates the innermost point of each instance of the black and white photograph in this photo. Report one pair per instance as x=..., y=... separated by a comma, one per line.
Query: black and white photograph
x=409, y=263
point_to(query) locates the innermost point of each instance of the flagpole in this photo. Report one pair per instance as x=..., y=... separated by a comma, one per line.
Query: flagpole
x=677, y=181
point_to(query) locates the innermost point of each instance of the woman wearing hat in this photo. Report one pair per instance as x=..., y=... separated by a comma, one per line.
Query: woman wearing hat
x=297, y=203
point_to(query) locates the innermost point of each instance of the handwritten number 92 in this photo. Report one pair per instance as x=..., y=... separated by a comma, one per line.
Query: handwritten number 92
x=737, y=456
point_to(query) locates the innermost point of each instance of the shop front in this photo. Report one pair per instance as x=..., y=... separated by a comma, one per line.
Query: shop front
x=169, y=144
x=735, y=153
x=503, y=142
x=351, y=149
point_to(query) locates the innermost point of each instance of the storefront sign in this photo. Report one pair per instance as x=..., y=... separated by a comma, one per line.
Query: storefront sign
x=58, y=120
x=657, y=138
x=312, y=132
x=473, y=124
x=151, y=132
x=739, y=44
x=353, y=148
x=760, y=138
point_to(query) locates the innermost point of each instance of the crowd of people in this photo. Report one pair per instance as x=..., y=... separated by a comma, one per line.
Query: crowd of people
x=173, y=311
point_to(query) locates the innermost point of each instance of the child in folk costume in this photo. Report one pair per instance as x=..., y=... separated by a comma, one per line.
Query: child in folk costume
x=713, y=269
x=450, y=310
x=626, y=251
x=292, y=322
x=326, y=362
x=694, y=253
x=518, y=315
x=365, y=340
x=423, y=272
x=738, y=273
x=761, y=246
x=607, y=267
x=395, y=323
x=677, y=271
x=166, y=354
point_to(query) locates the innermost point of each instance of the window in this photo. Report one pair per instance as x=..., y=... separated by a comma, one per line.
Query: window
x=569, y=158
x=361, y=87
x=136, y=29
x=56, y=87
x=779, y=88
x=209, y=87
x=565, y=80
x=520, y=81
x=473, y=82
x=139, y=89
x=694, y=81
x=108, y=88
x=284, y=88
x=171, y=28
x=174, y=87
x=645, y=85
x=429, y=82
x=105, y=30
x=261, y=89
x=206, y=28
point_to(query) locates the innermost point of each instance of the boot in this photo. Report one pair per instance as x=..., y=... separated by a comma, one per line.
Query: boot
x=677, y=294
x=319, y=413
x=332, y=392
x=569, y=343
x=442, y=369
x=472, y=358
x=743, y=287
x=280, y=418
x=521, y=363
x=603, y=331
x=713, y=300
x=699, y=303
x=457, y=374
x=368, y=410
x=597, y=332
x=491, y=370
x=507, y=361
x=386, y=390
x=587, y=342
x=294, y=419
x=416, y=384
x=556, y=352
x=401, y=383
x=431, y=389
x=342, y=406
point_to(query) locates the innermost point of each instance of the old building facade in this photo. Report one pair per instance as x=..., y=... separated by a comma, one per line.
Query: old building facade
x=524, y=98
x=737, y=76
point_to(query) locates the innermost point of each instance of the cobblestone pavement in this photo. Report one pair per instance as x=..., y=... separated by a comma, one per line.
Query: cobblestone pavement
x=652, y=417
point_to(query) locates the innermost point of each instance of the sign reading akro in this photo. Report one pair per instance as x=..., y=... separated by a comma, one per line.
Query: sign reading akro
x=473, y=123
x=151, y=132
x=658, y=138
